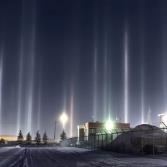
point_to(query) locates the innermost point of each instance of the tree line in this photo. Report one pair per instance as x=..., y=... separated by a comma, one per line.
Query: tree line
x=29, y=140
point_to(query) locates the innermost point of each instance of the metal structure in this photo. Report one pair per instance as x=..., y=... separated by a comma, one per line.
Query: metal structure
x=150, y=141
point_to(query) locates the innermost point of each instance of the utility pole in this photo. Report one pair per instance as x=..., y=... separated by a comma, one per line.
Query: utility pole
x=55, y=131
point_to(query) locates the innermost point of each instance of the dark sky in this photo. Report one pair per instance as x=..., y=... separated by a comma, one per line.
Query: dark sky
x=90, y=58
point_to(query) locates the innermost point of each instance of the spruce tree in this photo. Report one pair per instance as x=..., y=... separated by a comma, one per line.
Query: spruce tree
x=45, y=138
x=63, y=136
x=28, y=138
x=20, y=137
x=38, y=138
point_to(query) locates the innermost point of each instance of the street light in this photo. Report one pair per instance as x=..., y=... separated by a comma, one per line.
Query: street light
x=63, y=119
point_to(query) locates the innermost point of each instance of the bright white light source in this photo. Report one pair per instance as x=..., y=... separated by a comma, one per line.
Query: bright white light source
x=164, y=118
x=63, y=119
x=109, y=125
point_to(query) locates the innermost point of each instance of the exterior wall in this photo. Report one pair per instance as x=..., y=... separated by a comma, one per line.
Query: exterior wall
x=89, y=129
x=122, y=125
x=81, y=134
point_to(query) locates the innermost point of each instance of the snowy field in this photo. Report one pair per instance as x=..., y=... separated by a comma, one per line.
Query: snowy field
x=73, y=157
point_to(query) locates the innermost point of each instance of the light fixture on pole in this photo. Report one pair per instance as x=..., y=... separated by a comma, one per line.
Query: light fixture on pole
x=55, y=130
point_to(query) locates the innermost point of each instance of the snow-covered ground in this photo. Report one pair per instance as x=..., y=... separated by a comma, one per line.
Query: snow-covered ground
x=73, y=157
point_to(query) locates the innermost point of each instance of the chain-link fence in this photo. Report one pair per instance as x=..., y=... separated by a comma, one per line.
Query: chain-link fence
x=144, y=139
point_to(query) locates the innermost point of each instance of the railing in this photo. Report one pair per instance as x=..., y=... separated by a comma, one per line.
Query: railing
x=152, y=140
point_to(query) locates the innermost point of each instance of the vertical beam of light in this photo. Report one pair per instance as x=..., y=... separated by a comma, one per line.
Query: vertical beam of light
x=39, y=110
x=107, y=100
x=142, y=85
x=149, y=120
x=20, y=82
x=38, y=125
x=95, y=64
x=164, y=57
x=142, y=97
x=64, y=98
x=105, y=81
x=95, y=86
x=109, y=97
x=142, y=64
x=31, y=73
x=126, y=77
x=19, y=101
x=71, y=111
x=1, y=88
x=164, y=71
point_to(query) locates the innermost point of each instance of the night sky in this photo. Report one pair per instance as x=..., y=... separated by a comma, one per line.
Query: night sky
x=90, y=58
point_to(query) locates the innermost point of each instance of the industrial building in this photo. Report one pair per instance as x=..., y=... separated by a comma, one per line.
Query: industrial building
x=163, y=121
x=88, y=129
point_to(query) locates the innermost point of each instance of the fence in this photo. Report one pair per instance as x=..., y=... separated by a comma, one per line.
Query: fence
x=148, y=139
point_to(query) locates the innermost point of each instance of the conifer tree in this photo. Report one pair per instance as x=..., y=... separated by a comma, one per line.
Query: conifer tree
x=28, y=138
x=20, y=137
x=63, y=136
x=38, y=138
x=45, y=138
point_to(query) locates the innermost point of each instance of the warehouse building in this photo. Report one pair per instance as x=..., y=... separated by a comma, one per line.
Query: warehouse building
x=88, y=129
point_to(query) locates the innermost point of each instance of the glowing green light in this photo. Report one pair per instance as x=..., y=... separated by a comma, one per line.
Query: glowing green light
x=109, y=125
